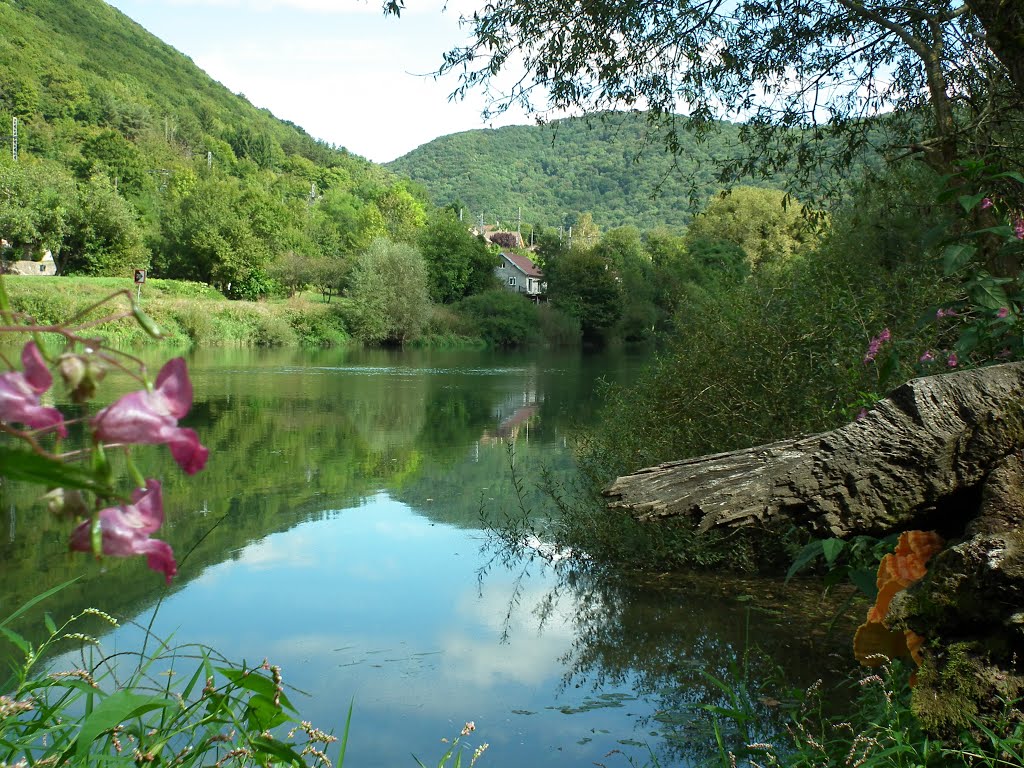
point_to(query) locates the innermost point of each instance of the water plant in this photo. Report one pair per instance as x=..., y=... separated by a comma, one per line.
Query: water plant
x=173, y=705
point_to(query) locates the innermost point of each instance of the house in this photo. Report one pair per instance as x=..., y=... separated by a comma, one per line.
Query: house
x=11, y=265
x=520, y=275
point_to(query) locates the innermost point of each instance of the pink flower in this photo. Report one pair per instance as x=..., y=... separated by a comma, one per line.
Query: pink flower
x=152, y=418
x=941, y=313
x=876, y=344
x=952, y=361
x=986, y=202
x=1003, y=312
x=20, y=391
x=125, y=531
x=861, y=414
x=927, y=357
x=1018, y=229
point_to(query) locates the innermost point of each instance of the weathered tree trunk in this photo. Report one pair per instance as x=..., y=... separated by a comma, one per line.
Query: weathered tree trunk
x=941, y=453
x=1003, y=21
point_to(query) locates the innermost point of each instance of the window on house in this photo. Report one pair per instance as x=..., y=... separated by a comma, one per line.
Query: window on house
x=42, y=267
x=512, y=280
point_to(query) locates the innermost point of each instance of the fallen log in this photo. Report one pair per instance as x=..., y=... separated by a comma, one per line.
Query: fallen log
x=943, y=453
x=905, y=464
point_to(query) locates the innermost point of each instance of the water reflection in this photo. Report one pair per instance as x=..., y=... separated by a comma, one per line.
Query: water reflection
x=336, y=530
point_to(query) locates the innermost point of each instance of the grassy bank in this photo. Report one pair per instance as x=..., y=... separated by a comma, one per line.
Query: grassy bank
x=188, y=314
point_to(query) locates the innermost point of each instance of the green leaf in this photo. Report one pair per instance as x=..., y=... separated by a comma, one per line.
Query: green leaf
x=988, y=292
x=968, y=340
x=114, y=710
x=1003, y=230
x=956, y=256
x=889, y=365
x=36, y=600
x=343, y=745
x=866, y=580
x=836, y=576
x=262, y=714
x=1011, y=175
x=831, y=548
x=807, y=554
x=252, y=680
x=30, y=467
x=277, y=749
x=23, y=645
x=968, y=202
x=51, y=627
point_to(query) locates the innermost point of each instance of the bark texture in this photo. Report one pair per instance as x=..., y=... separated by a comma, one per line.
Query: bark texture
x=941, y=453
x=910, y=462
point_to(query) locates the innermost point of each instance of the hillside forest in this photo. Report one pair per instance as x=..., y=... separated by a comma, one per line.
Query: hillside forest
x=129, y=157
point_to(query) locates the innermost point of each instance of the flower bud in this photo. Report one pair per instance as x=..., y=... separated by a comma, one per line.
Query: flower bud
x=81, y=374
x=62, y=502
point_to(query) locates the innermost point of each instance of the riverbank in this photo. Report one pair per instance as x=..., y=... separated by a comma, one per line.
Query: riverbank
x=197, y=315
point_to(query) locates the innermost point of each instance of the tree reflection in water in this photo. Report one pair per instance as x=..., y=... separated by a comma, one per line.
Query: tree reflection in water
x=706, y=650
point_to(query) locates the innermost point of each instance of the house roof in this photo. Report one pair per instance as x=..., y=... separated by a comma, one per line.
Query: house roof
x=525, y=265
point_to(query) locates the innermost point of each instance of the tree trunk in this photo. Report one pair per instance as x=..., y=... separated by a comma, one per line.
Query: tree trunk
x=1003, y=21
x=941, y=453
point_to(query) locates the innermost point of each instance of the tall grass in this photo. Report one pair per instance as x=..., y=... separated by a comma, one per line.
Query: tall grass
x=181, y=706
x=188, y=314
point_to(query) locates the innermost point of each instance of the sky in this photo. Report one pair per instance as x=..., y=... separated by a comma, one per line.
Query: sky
x=338, y=68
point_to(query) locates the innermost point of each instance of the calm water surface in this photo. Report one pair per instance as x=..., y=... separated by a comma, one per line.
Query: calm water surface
x=336, y=531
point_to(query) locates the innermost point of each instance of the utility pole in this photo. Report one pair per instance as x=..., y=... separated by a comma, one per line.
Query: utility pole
x=519, y=223
x=209, y=160
x=14, y=139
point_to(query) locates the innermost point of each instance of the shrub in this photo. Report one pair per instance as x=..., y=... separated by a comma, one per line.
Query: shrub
x=502, y=318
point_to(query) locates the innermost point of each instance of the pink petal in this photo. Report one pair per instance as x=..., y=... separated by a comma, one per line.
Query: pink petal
x=159, y=557
x=125, y=530
x=187, y=451
x=149, y=504
x=20, y=403
x=36, y=373
x=175, y=387
x=138, y=417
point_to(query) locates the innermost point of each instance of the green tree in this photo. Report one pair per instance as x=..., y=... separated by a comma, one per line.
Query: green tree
x=404, y=215
x=585, y=285
x=330, y=275
x=623, y=248
x=390, y=298
x=103, y=236
x=459, y=263
x=35, y=202
x=109, y=153
x=502, y=318
x=762, y=222
x=216, y=232
x=789, y=63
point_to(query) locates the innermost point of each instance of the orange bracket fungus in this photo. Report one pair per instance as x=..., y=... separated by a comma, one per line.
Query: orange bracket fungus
x=875, y=644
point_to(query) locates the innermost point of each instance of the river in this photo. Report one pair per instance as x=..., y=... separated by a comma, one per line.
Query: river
x=336, y=531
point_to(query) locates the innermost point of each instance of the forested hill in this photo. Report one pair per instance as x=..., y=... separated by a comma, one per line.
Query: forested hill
x=122, y=127
x=609, y=166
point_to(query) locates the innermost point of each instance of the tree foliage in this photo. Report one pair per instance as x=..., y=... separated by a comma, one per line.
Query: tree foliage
x=584, y=284
x=605, y=166
x=764, y=223
x=147, y=158
x=390, y=299
x=459, y=263
x=822, y=64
